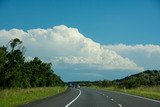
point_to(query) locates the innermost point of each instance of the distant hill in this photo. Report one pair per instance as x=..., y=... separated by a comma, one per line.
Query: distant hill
x=146, y=78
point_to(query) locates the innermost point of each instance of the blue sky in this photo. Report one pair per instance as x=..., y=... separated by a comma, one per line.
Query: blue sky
x=105, y=21
x=102, y=39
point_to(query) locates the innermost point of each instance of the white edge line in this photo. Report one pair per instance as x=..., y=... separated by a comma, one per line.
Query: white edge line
x=135, y=96
x=74, y=99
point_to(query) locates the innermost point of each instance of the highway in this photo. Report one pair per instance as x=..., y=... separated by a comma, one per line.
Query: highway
x=87, y=97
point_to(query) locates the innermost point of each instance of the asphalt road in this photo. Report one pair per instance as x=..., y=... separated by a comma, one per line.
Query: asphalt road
x=86, y=97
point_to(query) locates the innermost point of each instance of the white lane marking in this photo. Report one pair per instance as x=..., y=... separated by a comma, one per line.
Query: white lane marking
x=74, y=98
x=135, y=96
x=112, y=99
x=119, y=105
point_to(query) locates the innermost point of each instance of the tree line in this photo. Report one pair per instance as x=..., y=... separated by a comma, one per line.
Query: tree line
x=15, y=71
x=146, y=78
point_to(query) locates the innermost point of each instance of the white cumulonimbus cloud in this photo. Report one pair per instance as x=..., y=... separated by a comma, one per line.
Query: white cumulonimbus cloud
x=147, y=56
x=146, y=50
x=63, y=45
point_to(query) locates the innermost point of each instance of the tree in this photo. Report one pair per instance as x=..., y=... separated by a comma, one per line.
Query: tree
x=16, y=72
x=14, y=65
x=3, y=60
x=14, y=43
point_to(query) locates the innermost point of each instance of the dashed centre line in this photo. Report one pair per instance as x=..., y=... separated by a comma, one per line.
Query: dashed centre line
x=119, y=105
x=111, y=99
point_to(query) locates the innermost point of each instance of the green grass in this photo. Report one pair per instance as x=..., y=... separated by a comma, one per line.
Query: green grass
x=14, y=97
x=149, y=92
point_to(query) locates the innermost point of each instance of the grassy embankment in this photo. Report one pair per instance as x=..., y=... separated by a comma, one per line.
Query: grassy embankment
x=149, y=92
x=14, y=97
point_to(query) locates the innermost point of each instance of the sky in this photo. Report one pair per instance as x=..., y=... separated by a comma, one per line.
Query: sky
x=86, y=39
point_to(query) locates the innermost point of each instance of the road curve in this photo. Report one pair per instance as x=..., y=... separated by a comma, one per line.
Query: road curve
x=86, y=97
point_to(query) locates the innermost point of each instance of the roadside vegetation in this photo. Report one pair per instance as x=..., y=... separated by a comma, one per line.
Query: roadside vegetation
x=17, y=96
x=21, y=80
x=146, y=84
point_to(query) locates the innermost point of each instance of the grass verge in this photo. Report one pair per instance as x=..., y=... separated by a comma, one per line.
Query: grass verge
x=14, y=97
x=149, y=92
